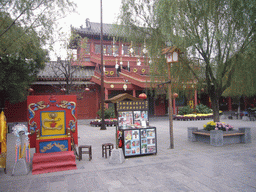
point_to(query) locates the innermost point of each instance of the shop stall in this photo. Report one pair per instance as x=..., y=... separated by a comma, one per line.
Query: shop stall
x=134, y=134
x=136, y=137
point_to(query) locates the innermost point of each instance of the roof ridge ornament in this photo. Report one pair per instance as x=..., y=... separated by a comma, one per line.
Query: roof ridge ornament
x=88, y=23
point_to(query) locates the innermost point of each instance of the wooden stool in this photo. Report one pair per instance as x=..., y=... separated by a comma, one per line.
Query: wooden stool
x=105, y=147
x=89, y=147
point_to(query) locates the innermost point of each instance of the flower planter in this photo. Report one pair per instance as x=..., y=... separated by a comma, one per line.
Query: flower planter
x=218, y=137
x=192, y=117
x=108, y=122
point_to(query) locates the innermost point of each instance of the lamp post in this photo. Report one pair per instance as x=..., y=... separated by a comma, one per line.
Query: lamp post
x=172, y=56
x=103, y=127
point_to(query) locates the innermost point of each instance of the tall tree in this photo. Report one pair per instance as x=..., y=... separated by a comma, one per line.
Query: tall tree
x=70, y=70
x=20, y=63
x=26, y=26
x=71, y=77
x=217, y=37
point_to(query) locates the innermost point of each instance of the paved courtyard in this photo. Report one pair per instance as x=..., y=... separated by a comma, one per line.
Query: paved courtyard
x=190, y=166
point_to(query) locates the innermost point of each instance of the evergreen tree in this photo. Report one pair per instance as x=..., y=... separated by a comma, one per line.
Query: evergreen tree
x=26, y=26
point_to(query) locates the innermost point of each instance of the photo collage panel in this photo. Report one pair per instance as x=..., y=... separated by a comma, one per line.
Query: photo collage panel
x=140, y=118
x=148, y=141
x=125, y=119
x=132, y=142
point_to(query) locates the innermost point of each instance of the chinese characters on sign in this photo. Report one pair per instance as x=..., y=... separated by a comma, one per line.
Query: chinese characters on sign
x=132, y=105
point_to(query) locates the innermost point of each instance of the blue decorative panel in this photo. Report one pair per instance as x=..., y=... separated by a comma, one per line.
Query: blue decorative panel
x=53, y=146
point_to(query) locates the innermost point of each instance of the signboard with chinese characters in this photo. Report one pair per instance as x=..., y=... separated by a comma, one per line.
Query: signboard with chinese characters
x=132, y=106
x=132, y=114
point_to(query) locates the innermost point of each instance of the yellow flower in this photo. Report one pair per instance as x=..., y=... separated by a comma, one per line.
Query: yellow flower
x=204, y=126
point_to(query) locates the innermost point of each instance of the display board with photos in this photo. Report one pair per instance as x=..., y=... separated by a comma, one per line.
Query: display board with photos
x=148, y=141
x=139, y=141
x=132, y=142
x=132, y=114
x=132, y=119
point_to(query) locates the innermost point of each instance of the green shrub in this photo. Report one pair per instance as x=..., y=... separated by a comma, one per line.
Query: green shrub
x=185, y=110
x=108, y=113
x=203, y=109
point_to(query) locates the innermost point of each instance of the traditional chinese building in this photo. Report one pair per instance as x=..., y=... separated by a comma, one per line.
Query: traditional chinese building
x=126, y=67
x=126, y=70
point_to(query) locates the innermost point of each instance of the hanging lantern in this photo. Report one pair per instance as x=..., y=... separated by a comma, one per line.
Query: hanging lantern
x=63, y=89
x=125, y=87
x=30, y=89
x=143, y=96
x=87, y=89
x=171, y=54
x=175, y=95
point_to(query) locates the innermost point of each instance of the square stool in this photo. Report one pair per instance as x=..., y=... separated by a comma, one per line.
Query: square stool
x=105, y=147
x=89, y=147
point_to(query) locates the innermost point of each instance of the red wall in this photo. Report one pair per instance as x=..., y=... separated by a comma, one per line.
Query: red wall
x=16, y=112
x=160, y=107
x=87, y=105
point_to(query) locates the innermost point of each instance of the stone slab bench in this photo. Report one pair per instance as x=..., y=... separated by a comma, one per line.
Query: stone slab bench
x=218, y=137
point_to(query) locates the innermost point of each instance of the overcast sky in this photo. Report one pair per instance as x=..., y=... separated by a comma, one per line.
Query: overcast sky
x=87, y=9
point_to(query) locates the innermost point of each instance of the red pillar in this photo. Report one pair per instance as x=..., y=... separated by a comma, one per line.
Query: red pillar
x=174, y=106
x=97, y=91
x=106, y=97
x=134, y=93
x=195, y=98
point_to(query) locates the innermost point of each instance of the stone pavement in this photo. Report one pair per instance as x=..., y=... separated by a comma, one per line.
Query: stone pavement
x=190, y=166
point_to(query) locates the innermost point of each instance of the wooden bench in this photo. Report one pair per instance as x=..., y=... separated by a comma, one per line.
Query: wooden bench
x=218, y=137
x=224, y=134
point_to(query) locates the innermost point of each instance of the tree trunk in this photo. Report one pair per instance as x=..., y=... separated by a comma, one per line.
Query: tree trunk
x=215, y=108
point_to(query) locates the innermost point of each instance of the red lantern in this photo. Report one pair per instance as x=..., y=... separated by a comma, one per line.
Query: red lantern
x=175, y=95
x=143, y=96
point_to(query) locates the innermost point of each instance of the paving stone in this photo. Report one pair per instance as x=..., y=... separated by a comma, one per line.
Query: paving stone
x=93, y=184
x=190, y=166
x=75, y=182
x=39, y=184
x=58, y=186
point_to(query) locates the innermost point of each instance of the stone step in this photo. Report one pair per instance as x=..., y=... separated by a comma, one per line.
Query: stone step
x=53, y=162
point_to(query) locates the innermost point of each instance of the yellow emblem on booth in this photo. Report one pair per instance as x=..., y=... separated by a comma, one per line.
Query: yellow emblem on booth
x=53, y=123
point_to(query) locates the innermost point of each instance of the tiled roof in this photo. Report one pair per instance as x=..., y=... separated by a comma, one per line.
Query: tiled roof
x=95, y=29
x=51, y=72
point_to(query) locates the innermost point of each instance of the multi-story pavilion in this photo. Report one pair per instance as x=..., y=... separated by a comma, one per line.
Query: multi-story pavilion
x=126, y=67
x=126, y=70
